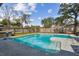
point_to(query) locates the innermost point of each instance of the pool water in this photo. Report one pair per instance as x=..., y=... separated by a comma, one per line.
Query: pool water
x=41, y=42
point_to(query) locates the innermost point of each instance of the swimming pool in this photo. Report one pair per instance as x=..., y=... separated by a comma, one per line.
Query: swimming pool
x=41, y=41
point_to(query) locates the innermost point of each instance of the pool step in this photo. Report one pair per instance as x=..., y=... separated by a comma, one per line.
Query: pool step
x=66, y=45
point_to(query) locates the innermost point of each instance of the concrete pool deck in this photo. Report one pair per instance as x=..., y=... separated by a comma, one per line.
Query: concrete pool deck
x=66, y=43
x=10, y=48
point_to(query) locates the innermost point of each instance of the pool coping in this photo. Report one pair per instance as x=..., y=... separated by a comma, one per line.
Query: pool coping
x=21, y=35
x=44, y=33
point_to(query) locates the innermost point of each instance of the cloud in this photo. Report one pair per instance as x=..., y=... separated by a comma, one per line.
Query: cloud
x=49, y=11
x=32, y=7
x=30, y=13
x=1, y=13
x=39, y=18
x=31, y=20
x=26, y=8
x=42, y=4
x=19, y=7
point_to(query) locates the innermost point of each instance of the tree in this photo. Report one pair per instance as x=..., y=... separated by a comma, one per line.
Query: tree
x=35, y=28
x=5, y=22
x=47, y=22
x=7, y=14
x=70, y=10
x=24, y=19
x=16, y=24
x=63, y=20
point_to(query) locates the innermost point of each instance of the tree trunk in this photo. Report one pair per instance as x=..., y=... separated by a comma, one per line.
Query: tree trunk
x=75, y=25
x=8, y=24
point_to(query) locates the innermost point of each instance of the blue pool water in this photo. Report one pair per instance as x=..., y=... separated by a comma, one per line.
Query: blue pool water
x=41, y=41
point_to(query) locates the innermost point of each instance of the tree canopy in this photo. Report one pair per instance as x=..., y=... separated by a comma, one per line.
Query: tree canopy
x=71, y=10
x=47, y=22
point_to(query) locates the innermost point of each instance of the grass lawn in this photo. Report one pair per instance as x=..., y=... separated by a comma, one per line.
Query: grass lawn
x=18, y=34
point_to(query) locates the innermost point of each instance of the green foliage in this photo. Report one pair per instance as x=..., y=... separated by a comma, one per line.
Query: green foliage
x=47, y=22
x=5, y=22
x=0, y=22
x=35, y=28
x=63, y=20
x=72, y=10
x=16, y=24
x=10, y=12
x=25, y=18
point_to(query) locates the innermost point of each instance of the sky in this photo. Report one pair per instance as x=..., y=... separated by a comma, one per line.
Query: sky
x=37, y=11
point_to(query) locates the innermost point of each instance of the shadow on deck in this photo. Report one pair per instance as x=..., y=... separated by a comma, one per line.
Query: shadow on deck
x=77, y=39
x=76, y=49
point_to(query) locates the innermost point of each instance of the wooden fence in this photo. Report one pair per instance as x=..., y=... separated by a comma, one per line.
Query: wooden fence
x=43, y=30
x=25, y=30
